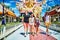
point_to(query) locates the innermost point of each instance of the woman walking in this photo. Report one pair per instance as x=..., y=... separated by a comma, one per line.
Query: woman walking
x=37, y=23
x=26, y=23
x=31, y=23
x=47, y=22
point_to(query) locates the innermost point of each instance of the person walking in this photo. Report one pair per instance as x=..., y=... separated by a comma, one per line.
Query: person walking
x=26, y=23
x=3, y=28
x=47, y=22
x=31, y=23
x=37, y=23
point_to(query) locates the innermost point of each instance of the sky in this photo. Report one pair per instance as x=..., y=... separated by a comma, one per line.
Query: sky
x=48, y=4
x=12, y=5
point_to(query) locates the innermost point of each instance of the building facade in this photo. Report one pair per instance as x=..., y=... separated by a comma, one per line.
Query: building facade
x=9, y=16
x=55, y=14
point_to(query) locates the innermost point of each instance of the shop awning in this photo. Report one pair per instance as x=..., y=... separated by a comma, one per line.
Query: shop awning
x=0, y=13
x=11, y=13
x=52, y=12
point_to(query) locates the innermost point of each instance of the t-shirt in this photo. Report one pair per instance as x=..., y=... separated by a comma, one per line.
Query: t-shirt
x=37, y=21
x=26, y=18
x=31, y=20
x=47, y=19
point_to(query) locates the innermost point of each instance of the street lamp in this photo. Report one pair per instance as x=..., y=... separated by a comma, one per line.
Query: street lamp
x=3, y=8
x=3, y=16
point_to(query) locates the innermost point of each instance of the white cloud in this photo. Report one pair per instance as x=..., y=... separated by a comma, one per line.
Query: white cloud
x=14, y=8
x=8, y=4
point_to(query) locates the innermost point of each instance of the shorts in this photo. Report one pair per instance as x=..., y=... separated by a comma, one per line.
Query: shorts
x=26, y=25
x=47, y=24
x=31, y=23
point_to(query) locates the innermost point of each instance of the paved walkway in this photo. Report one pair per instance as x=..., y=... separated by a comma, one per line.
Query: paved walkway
x=18, y=36
x=41, y=36
x=9, y=31
x=53, y=27
x=51, y=32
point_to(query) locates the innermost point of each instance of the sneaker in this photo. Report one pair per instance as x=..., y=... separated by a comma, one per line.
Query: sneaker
x=24, y=35
x=33, y=33
x=47, y=34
